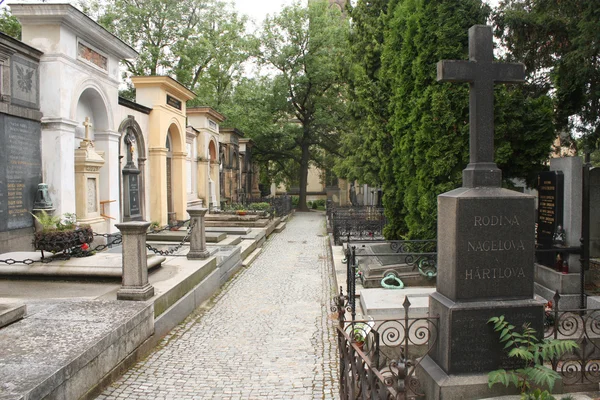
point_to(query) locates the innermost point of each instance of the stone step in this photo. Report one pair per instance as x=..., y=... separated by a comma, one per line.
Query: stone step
x=177, y=236
x=280, y=227
x=248, y=260
x=10, y=313
x=230, y=230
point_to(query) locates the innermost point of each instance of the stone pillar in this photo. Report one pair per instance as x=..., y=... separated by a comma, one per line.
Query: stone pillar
x=158, y=177
x=214, y=176
x=135, y=284
x=108, y=142
x=178, y=183
x=203, y=173
x=198, y=249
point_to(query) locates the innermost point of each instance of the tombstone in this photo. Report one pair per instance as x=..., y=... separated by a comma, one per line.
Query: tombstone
x=20, y=137
x=132, y=210
x=550, y=188
x=88, y=163
x=485, y=246
x=548, y=278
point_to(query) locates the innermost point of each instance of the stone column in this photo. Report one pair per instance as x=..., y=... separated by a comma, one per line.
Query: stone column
x=135, y=284
x=198, y=249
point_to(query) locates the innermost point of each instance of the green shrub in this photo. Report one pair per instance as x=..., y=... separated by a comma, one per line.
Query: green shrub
x=295, y=201
x=314, y=205
x=259, y=206
x=320, y=202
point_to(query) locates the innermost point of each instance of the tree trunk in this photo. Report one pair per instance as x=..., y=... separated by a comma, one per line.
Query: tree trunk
x=303, y=178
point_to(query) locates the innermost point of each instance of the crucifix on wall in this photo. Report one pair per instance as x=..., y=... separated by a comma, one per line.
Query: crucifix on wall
x=481, y=73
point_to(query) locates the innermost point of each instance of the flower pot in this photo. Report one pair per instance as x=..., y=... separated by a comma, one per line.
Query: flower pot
x=240, y=212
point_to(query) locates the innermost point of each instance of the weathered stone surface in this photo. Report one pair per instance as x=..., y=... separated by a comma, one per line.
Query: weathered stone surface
x=135, y=268
x=62, y=350
x=486, y=244
x=464, y=334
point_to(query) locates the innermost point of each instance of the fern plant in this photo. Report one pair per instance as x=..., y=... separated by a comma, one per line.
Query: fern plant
x=46, y=220
x=534, y=353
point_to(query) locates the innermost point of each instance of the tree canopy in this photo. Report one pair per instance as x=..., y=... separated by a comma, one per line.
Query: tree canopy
x=417, y=128
x=304, y=47
x=560, y=42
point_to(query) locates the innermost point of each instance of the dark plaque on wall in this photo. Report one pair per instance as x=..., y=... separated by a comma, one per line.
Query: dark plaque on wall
x=550, y=206
x=173, y=102
x=131, y=207
x=20, y=171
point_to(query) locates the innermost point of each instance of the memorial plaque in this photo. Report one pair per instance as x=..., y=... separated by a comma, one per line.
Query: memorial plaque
x=20, y=171
x=550, y=206
x=488, y=251
x=134, y=195
x=173, y=102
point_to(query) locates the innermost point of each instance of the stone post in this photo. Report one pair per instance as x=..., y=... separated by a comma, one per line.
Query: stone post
x=135, y=266
x=198, y=249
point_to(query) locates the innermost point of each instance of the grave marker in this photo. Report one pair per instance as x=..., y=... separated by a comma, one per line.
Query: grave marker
x=486, y=244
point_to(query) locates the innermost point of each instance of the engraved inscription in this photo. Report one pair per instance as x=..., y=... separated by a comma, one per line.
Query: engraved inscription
x=91, y=195
x=494, y=273
x=20, y=167
x=496, y=220
x=496, y=245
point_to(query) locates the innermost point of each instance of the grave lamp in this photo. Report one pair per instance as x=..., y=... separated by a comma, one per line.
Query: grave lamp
x=42, y=198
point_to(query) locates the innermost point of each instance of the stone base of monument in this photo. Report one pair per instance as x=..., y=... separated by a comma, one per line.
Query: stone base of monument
x=467, y=346
x=136, y=293
x=548, y=281
x=437, y=384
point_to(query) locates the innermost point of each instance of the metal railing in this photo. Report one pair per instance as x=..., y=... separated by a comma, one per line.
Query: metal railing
x=378, y=358
x=580, y=369
x=356, y=223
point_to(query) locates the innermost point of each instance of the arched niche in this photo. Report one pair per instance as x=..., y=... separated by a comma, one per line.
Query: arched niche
x=132, y=164
x=91, y=104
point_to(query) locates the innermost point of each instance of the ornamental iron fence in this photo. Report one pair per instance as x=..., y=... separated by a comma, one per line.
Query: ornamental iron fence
x=282, y=205
x=357, y=223
x=580, y=369
x=378, y=358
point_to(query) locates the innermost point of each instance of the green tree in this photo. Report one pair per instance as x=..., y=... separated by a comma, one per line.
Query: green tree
x=429, y=120
x=305, y=49
x=364, y=145
x=9, y=24
x=201, y=43
x=560, y=42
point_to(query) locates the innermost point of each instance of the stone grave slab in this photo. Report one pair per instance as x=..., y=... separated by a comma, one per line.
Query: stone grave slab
x=63, y=350
x=387, y=303
x=106, y=264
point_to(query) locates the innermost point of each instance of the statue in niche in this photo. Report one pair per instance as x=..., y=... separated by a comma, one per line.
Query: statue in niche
x=130, y=142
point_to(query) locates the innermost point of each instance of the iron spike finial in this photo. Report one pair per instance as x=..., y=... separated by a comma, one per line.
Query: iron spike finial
x=406, y=303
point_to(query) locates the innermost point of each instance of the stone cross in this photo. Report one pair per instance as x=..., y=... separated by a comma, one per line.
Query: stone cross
x=87, y=125
x=481, y=73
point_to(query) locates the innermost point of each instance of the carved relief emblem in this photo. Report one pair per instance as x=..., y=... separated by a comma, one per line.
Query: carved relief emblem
x=25, y=78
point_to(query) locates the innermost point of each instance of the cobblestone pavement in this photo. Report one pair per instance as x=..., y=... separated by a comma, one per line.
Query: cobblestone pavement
x=266, y=335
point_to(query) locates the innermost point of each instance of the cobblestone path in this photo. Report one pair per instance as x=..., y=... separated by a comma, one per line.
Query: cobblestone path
x=266, y=335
